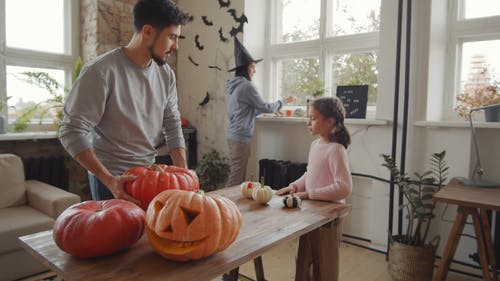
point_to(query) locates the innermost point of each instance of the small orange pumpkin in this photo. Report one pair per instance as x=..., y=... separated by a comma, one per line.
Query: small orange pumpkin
x=184, y=225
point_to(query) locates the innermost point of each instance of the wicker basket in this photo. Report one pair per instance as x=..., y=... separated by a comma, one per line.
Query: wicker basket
x=411, y=263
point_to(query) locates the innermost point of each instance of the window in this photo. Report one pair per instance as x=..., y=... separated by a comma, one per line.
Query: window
x=334, y=43
x=475, y=40
x=38, y=58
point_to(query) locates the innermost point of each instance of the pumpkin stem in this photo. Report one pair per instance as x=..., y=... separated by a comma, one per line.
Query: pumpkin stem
x=261, y=181
x=156, y=167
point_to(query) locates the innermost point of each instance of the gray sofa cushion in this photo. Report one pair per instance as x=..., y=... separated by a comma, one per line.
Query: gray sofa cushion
x=19, y=221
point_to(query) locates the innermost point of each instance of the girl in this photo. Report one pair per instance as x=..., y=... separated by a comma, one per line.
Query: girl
x=328, y=176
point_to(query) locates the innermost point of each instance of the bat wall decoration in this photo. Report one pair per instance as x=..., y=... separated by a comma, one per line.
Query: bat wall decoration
x=205, y=100
x=221, y=36
x=192, y=61
x=198, y=45
x=215, y=67
x=206, y=21
x=236, y=30
x=224, y=4
x=241, y=20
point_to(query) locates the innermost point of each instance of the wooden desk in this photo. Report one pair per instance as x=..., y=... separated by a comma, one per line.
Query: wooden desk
x=263, y=228
x=474, y=201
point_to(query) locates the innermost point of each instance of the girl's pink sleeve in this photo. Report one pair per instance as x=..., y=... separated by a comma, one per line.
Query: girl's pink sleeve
x=338, y=169
x=300, y=184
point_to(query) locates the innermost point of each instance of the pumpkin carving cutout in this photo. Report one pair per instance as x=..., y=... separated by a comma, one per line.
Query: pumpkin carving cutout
x=184, y=225
x=159, y=177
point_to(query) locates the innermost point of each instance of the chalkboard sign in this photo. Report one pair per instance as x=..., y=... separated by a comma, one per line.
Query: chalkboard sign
x=355, y=100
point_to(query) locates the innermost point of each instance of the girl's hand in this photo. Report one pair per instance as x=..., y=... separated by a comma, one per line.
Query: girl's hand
x=302, y=195
x=290, y=99
x=286, y=190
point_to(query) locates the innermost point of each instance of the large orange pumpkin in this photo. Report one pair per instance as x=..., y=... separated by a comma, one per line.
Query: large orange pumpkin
x=157, y=178
x=184, y=225
x=98, y=228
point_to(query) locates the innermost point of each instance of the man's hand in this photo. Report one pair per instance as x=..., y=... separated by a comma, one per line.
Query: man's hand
x=117, y=186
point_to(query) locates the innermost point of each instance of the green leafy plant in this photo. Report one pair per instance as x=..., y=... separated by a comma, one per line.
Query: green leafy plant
x=418, y=193
x=55, y=103
x=212, y=170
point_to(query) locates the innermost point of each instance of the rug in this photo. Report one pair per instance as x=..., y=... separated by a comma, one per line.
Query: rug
x=224, y=277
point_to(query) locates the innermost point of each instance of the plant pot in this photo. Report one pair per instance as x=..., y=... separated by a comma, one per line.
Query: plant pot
x=492, y=114
x=411, y=263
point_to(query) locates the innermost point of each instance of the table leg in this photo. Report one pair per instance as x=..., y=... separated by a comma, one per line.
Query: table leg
x=259, y=268
x=233, y=275
x=304, y=259
x=488, y=243
x=451, y=245
x=483, y=260
x=326, y=251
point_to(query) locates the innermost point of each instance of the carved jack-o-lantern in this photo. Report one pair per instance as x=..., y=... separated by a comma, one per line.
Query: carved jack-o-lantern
x=185, y=225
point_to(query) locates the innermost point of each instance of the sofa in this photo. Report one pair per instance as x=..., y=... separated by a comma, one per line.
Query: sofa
x=26, y=207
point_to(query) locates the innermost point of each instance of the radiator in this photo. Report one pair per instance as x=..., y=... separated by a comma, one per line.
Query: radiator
x=280, y=173
x=51, y=170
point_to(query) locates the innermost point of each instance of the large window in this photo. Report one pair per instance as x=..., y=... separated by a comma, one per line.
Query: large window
x=475, y=59
x=36, y=61
x=316, y=45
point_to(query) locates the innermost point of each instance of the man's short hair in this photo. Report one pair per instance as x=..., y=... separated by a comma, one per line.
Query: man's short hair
x=157, y=13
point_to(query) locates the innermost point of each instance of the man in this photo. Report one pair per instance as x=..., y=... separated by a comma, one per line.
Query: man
x=123, y=104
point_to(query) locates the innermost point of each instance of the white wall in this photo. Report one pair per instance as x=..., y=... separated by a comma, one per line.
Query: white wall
x=286, y=140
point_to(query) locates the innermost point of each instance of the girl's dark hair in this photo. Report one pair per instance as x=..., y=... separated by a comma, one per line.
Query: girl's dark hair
x=333, y=108
x=242, y=71
x=157, y=13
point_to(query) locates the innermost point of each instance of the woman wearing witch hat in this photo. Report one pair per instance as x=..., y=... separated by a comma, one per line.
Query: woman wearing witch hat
x=244, y=103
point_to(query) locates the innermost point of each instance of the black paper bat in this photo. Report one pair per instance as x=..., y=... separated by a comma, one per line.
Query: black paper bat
x=215, y=67
x=206, y=21
x=190, y=18
x=235, y=31
x=192, y=61
x=221, y=36
x=224, y=4
x=241, y=19
x=182, y=37
x=205, y=100
x=198, y=45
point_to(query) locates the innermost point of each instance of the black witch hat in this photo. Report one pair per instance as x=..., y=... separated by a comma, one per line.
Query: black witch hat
x=241, y=55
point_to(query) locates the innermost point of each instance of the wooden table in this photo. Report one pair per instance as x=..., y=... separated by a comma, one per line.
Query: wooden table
x=474, y=201
x=264, y=227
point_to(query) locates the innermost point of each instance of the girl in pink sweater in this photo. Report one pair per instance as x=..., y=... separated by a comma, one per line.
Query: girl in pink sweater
x=328, y=176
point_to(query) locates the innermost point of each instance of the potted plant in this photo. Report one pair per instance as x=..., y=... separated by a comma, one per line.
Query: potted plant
x=212, y=170
x=480, y=90
x=411, y=254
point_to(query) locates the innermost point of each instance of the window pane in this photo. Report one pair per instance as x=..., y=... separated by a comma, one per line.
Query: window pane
x=44, y=31
x=354, y=16
x=357, y=69
x=481, y=8
x=300, y=78
x=26, y=92
x=480, y=69
x=299, y=20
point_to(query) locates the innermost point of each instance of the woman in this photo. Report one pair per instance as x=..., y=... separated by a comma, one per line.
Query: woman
x=244, y=103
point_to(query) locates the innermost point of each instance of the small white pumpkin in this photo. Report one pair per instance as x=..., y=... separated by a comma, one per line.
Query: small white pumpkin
x=292, y=201
x=247, y=188
x=262, y=194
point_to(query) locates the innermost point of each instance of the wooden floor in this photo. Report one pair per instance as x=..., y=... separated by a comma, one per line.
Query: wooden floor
x=356, y=264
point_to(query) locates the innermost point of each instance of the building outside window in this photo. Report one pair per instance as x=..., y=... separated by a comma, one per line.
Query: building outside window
x=37, y=58
x=334, y=43
x=474, y=41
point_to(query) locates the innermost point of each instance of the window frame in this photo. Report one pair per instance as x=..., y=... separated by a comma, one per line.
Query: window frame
x=38, y=59
x=325, y=47
x=462, y=31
